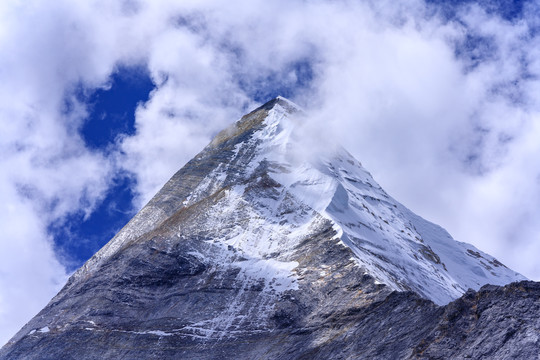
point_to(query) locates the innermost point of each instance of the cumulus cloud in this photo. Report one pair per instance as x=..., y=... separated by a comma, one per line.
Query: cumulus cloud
x=443, y=109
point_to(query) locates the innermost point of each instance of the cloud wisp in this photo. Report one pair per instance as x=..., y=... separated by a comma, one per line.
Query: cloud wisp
x=440, y=105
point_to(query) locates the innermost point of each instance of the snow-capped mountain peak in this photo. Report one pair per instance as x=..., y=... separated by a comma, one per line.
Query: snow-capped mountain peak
x=269, y=245
x=389, y=242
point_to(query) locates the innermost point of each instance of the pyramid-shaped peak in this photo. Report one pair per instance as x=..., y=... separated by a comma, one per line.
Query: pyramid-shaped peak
x=253, y=243
x=395, y=246
x=254, y=119
x=285, y=103
x=288, y=104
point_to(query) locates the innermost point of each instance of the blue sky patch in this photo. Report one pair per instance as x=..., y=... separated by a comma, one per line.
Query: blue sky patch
x=111, y=113
x=508, y=10
x=112, y=110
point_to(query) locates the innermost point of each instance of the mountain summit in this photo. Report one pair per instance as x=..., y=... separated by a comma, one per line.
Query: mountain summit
x=264, y=247
x=273, y=193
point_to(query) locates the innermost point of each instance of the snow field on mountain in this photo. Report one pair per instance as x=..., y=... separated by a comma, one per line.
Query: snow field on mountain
x=397, y=247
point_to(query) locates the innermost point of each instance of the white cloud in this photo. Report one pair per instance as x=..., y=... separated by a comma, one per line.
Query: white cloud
x=29, y=274
x=453, y=136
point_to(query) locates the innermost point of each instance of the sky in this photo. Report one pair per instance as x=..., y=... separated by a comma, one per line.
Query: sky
x=101, y=101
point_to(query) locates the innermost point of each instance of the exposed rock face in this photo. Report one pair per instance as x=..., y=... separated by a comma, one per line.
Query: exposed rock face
x=254, y=250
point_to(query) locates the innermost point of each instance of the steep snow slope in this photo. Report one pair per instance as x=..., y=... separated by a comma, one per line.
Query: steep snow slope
x=397, y=247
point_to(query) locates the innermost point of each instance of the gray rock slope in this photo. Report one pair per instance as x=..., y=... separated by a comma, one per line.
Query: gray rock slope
x=228, y=261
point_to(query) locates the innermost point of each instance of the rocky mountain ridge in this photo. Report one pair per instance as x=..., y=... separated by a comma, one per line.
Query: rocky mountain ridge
x=257, y=249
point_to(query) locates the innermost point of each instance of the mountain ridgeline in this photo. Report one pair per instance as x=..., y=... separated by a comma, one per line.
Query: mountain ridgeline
x=256, y=249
